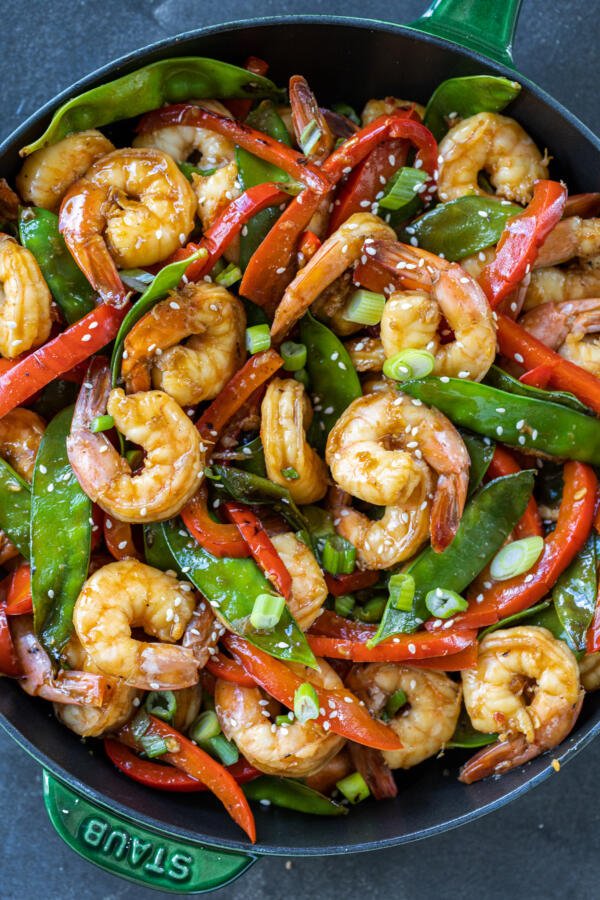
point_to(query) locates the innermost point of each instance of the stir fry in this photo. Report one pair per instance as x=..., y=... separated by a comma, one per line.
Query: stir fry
x=298, y=435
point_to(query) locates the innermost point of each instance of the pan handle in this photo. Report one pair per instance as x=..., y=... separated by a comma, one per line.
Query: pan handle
x=128, y=850
x=478, y=25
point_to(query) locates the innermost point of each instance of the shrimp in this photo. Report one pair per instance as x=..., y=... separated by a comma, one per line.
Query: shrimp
x=293, y=750
x=21, y=432
x=497, y=145
x=367, y=354
x=212, y=320
x=331, y=260
x=571, y=328
x=25, y=300
x=553, y=285
x=129, y=594
x=384, y=449
x=309, y=590
x=174, y=462
x=386, y=107
x=48, y=173
x=589, y=671
x=202, y=633
x=571, y=237
x=428, y=720
x=132, y=208
x=525, y=686
x=286, y=414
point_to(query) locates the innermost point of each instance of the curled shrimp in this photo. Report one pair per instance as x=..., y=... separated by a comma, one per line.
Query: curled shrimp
x=202, y=633
x=375, y=108
x=211, y=319
x=525, y=686
x=589, y=671
x=496, y=145
x=174, y=461
x=425, y=723
x=21, y=432
x=331, y=261
x=554, y=285
x=132, y=208
x=25, y=300
x=48, y=173
x=367, y=354
x=129, y=594
x=286, y=414
x=293, y=750
x=385, y=449
x=571, y=237
x=309, y=590
x=571, y=328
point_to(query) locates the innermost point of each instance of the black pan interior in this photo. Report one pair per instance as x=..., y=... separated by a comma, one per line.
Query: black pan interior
x=352, y=61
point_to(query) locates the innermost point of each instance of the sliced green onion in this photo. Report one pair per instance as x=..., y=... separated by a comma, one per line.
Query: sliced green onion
x=258, y=338
x=353, y=787
x=306, y=703
x=140, y=725
x=293, y=355
x=204, y=727
x=365, y=307
x=409, y=364
x=162, y=704
x=443, y=603
x=395, y=702
x=136, y=279
x=310, y=137
x=218, y=746
x=290, y=473
x=402, y=591
x=284, y=720
x=338, y=556
x=516, y=558
x=373, y=609
x=267, y=611
x=302, y=376
x=344, y=605
x=229, y=275
x=102, y=423
x=153, y=745
x=403, y=188
x=134, y=458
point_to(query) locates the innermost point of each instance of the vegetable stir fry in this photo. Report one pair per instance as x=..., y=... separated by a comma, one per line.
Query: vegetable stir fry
x=299, y=430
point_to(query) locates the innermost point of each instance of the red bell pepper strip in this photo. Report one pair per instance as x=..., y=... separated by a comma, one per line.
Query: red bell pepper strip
x=216, y=537
x=592, y=639
x=261, y=547
x=166, y=778
x=347, y=584
x=18, y=595
x=402, y=648
x=309, y=244
x=521, y=239
x=504, y=463
x=352, y=720
x=228, y=670
x=119, y=539
x=538, y=377
x=78, y=342
x=9, y=661
x=195, y=762
x=516, y=343
x=241, y=108
x=575, y=519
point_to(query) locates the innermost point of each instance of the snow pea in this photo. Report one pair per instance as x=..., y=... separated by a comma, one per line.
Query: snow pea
x=167, y=81
x=548, y=618
x=522, y=422
x=498, y=378
x=156, y=550
x=461, y=227
x=515, y=618
x=15, y=507
x=54, y=397
x=480, y=451
x=574, y=595
x=61, y=530
x=231, y=586
x=466, y=96
x=487, y=521
x=333, y=378
x=254, y=457
x=38, y=232
x=466, y=738
x=247, y=487
x=290, y=794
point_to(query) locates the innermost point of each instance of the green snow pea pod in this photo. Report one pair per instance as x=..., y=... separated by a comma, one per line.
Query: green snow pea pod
x=156, y=550
x=332, y=377
x=461, y=227
x=466, y=738
x=38, y=232
x=480, y=451
x=54, y=397
x=548, y=618
x=465, y=97
x=291, y=794
x=15, y=507
x=574, y=595
x=231, y=586
x=498, y=378
x=514, y=619
x=167, y=81
x=246, y=487
x=253, y=457
x=487, y=521
x=61, y=530
x=521, y=422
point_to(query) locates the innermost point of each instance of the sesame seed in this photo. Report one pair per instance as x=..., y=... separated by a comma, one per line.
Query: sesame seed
x=121, y=545
x=519, y=358
x=85, y=338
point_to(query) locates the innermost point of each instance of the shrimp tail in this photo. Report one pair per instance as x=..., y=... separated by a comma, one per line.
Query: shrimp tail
x=447, y=509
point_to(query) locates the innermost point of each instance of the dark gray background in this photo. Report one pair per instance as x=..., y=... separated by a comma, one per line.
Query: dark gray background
x=544, y=845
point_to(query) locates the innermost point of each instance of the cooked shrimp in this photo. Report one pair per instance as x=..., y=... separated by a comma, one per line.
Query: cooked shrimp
x=293, y=750
x=47, y=174
x=129, y=594
x=21, y=432
x=589, y=671
x=428, y=720
x=525, y=686
x=327, y=776
x=309, y=590
x=212, y=320
x=25, y=300
x=202, y=633
x=571, y=328
x=330, y=262
x=286, y=414
x=386, y=107
x=572, y=237
x=133, y=208
x=385, y=449
x=553, y=285
x=174, y=460
x=497, y=145
x=367, y=354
